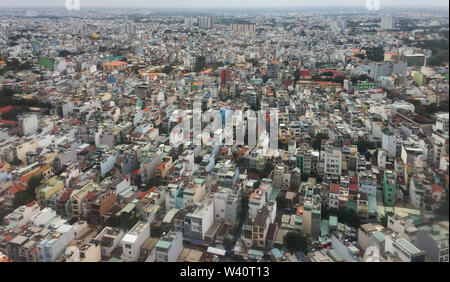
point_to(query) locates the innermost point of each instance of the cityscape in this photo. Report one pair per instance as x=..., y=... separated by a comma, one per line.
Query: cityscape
x=193, y=132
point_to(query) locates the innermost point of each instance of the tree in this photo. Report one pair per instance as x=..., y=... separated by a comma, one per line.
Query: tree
x=228, y=243
x=295, y=241
x=33, y=183
x=349, y=217
x=156, y=231
x=375, y=54
x=21, y=198
x=317, y=141
x=167, y=69
x=124, y=221
x=154, y=181
x=113, y=221
x=363, y=146
x=281, y=203
x=267, y=170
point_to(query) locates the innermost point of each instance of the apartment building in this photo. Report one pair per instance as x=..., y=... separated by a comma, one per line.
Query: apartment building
x=169, y=247
x=133, y=240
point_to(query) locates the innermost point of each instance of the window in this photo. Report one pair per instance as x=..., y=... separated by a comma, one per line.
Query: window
x=128, y=246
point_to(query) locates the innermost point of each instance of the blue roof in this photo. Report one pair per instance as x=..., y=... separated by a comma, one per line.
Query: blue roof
x=301, y=257
x=276, y=253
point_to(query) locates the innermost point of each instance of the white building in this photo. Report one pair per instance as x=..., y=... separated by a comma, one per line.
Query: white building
x=442, y=122
x=28, y=124
x=198, y=222
x=226, y=205
x=387, y=22
x=169, y=247
x=133, y=240
x=397, y=248
x=109, y=238
x=54, y=244
x=21, y=216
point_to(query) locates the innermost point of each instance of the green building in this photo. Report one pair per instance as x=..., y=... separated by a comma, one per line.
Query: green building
x=364, y=85
x=417, y=60
x=418, y=79
x=299, y=162
x=389, y=188
x=46, y=63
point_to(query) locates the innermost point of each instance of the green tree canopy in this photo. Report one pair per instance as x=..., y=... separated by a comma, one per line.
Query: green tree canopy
x=33, y=183
x=295, y=241
x=22, y=198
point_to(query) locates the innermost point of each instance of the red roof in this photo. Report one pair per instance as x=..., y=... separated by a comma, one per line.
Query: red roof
x=334, y=72
x=354, y=187
x=437, y=188
x=65, y=196
x=143, y=194
x=30, y=204
x=89, y=195
x=16, y=188
x=334, y=188
x=6, y=109
x=8, y=122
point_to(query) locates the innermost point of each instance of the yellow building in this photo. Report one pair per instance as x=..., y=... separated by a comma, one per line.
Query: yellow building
x=49, y=187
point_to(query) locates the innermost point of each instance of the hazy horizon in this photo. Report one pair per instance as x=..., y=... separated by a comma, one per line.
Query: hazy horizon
x=225, y=4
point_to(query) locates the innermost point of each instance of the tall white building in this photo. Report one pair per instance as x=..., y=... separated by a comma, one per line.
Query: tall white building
x=442, y=123
x=226, y=205
x=387, y=22
x=28, y=124
x=387, y=68
x=204, y=22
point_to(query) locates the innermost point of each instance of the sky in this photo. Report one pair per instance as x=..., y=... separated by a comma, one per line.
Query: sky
x=220, y=3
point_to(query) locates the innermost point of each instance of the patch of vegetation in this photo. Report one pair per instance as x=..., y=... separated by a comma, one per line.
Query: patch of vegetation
x=295, y=241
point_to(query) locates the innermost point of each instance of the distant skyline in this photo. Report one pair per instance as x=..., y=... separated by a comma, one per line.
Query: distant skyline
x=219, y=4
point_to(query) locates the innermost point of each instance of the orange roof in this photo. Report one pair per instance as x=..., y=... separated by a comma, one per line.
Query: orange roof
x=300, y=211
x=25, y=178
x=16, y=188
x=2, y=62
x=115, y=63
x=153, y=75
x=206, y=71
x=437, y=188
